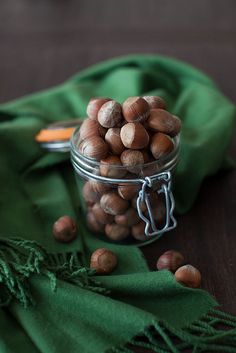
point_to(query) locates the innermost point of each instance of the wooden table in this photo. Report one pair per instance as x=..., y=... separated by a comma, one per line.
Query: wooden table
x=45, y=42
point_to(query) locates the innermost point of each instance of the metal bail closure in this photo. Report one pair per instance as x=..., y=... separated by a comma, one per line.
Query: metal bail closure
x=163, y=180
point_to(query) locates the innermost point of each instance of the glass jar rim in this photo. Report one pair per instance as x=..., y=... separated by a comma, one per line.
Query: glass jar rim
x=97, y=164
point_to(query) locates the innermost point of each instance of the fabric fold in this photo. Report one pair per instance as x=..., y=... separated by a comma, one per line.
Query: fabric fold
x=50, y=298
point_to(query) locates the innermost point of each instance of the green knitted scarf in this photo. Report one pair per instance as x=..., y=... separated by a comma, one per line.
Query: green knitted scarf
x=51, y=302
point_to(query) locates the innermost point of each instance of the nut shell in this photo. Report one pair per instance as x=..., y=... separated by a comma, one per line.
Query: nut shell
x=162, y=121
x=94, y=147
x=93, y=224
x=133, y=160
x=113, y=204
x=189, y=276
x=129, y=218
x=116, y=232
x=159, y=212
x=161, y=145
x=101, y=216
x=135, y=109
x=134, y=136
x=100, y=188
x=138, y=231
x=171, y=260
x=111, y=167
x=65, y=229
x=94, y=106
x=128, y=191
x=155, y=102
x=113, y=139
x=88, y=129
x=104, y=261
x=110, y=114
x=90, y=195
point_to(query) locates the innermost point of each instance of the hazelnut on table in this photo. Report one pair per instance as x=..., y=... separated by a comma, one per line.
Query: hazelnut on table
x=170, y=260
x=189, y=276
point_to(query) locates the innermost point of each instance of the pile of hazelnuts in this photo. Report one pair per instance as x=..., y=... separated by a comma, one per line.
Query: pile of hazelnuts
x=126, y=140
x=104, y=261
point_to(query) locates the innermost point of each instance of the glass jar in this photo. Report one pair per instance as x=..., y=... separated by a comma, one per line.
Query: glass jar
x=127, y=205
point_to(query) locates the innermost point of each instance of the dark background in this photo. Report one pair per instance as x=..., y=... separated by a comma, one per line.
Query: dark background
x=44, y=42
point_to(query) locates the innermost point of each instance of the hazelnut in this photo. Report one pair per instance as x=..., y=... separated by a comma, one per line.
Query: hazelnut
x=135, y=109
x=161, y=145
x=134, y=136
x=101, y=216
x=150, y=168
x=147, y=157
x=88, y=129
x=138, y=231
x=65, y=229
x=94, y=105
x=155, y=102
x=153, y=199
x=142, y=204
x=162, y=121
x=102, y=131
x=128, y=191
x=113, y=139
x=94, y=147
x=159, y=212
x=133, y=160
x=89, y=194
x=93, y=224
x=113, y=204
x=111, y=167
x=171, y=260
x=116, y=232
x=129, y=218
x=110, y=114
x=103, y=261
x=99, y=187
x=189, y=276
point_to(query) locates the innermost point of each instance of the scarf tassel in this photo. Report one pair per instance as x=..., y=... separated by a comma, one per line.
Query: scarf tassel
x=19, y=259
x=215, y=331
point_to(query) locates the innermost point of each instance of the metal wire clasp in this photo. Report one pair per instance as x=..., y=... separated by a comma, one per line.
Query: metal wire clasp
x=163, y=180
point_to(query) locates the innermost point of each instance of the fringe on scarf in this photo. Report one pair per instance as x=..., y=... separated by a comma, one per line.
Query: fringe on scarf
x=19, y=259
x=214, y=332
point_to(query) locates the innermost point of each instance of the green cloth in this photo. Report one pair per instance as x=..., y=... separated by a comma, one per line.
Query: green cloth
x=50, y=300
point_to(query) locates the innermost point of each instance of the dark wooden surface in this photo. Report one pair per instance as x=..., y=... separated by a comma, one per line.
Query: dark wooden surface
x=43, y=42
